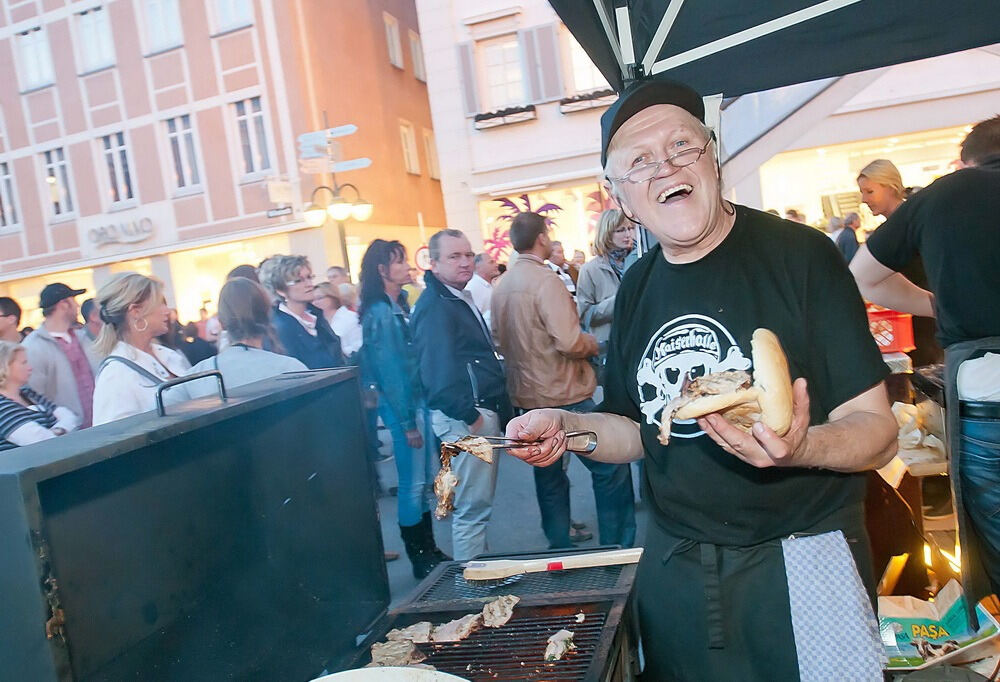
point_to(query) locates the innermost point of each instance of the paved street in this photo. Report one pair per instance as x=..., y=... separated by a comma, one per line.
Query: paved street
x=515, y=525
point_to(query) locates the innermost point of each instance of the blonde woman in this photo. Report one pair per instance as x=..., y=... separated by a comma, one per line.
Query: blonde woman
x=881, y=187
x=26, y=416
x=134, y=312
x=600, y=277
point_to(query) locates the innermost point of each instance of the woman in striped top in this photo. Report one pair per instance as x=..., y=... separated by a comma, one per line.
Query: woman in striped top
x=25, y=416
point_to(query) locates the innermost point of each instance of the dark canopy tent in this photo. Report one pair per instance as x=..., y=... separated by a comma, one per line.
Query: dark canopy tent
x=734, y=47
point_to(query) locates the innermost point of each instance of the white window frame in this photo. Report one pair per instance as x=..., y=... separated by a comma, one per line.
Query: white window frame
x=55, y=165
x=417, y=55
x=181, y=147
x=392, y=39
x=95, y=43
x=408, y=140
x=230, y=15
x=34, y=57
x=10, y=219
x=578, y=59
x=430, y=152
x=487, y=87
x=161, y=14
x=257, y=140
x=118, y=169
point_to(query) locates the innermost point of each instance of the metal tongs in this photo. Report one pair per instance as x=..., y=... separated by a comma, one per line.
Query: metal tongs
x=589, y=446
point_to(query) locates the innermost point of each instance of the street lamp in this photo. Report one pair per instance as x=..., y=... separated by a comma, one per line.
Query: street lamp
x=339, y=209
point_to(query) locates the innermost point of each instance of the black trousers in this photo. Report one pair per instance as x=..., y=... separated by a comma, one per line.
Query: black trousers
x=710, y=612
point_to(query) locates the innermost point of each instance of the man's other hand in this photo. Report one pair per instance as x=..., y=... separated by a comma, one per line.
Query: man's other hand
x=544, y=429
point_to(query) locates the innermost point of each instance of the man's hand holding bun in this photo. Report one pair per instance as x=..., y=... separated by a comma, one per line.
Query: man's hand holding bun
x=762, y=447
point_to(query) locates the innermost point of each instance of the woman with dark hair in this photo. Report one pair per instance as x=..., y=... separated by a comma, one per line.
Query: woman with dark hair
x=389, y=367
x=245, y=315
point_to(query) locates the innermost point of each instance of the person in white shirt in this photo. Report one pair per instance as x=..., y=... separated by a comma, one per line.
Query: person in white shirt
x=346, y=321
x=26, y=417
x=481, y=284
x=134, y=312
x=342, y=319
x=245, y=314
x=557, y=263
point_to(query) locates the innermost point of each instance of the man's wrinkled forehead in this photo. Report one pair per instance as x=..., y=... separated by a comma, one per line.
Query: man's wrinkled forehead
x=651, y=125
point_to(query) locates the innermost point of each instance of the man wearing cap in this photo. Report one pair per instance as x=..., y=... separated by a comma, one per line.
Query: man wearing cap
x=752, y=534
x=60, y=368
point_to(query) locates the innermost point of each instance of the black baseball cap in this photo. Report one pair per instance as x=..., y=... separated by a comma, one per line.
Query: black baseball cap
x=53, y=293
x=642, y=94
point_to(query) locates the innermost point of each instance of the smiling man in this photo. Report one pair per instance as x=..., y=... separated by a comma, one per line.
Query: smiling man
x=721, y=582
x=464, y=380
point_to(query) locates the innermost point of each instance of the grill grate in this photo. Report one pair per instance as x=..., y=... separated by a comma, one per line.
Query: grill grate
x=452, y=586
x=516, y=651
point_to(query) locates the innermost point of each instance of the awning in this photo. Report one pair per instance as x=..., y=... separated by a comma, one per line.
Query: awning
x=734, y=47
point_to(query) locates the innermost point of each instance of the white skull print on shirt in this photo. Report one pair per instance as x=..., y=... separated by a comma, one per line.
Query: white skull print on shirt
x=687, y=346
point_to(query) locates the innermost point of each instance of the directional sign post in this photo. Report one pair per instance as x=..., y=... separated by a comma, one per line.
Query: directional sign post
x=314, y=145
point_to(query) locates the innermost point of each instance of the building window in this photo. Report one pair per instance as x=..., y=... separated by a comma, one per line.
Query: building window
x=502, y=73
x=36, y=60
x=409, y=139
x=586, y=76
x=392, y=39
x=182, y=151
x=119, y=175
x=230, y=14
x=430, y=151
x=96, y=46
x=57, y=181
x=253, y=135
x=417, y=54
x=163, y=25
x=8, y=207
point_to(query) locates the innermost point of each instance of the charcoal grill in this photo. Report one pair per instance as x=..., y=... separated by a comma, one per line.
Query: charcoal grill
x=516, y=650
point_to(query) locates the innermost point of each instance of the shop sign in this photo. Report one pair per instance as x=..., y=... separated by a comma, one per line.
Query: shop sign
x=128, y=232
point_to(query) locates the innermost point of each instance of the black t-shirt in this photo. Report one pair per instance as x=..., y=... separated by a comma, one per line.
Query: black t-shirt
x=671, y=319
x=954, y=224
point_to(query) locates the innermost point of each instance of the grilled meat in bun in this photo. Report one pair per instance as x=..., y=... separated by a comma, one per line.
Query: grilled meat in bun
x=765, y=397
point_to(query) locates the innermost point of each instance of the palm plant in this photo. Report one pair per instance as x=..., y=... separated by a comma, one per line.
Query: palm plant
x=498, y=244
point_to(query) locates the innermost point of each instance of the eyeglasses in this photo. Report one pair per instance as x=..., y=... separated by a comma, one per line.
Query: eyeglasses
x=300, y=280
x=681, y=159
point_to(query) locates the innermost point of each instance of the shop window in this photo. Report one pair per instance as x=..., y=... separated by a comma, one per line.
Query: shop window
x=502, y=73
x=253, y=135
x=417, y=54
x=430, y=151
x=57, y=181
x=35, y=59
x=409, y=139
x=231, y=14
x=180, y=137
x=119, y=174
x=96, y=45
x=586, y=76
x=8, y=203
x=163, y=25
x=392, y=40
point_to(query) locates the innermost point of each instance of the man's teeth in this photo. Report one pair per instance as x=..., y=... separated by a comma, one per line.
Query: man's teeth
x=672, y=191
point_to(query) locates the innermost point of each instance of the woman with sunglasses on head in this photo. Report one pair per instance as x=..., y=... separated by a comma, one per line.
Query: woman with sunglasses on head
x=389, y=366
x=301, y=327
x=134, y=312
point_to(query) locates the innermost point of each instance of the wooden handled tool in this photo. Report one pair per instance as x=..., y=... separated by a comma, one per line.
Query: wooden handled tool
x=499, y=569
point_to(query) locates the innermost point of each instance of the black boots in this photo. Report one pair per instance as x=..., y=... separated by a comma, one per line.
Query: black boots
x=421, y=548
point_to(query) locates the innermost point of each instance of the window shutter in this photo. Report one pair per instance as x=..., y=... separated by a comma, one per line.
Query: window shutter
x=531, y=66
x=467, y=68
x=549, y=63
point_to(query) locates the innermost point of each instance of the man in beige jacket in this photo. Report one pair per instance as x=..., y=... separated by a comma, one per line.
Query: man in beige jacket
x=537, y=328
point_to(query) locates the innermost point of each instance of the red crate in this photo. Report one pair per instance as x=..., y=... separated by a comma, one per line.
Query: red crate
x=893, y=331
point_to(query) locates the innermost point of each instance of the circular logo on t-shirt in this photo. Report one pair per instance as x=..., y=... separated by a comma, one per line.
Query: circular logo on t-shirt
x=687, y=346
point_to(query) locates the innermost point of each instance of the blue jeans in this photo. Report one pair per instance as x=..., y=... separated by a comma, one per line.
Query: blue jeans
x=414, y=467
x=612, y=493
x=979, y=470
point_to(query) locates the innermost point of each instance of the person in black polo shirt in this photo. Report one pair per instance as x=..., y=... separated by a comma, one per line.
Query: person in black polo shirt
x=953, y=225
x=734, y=514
